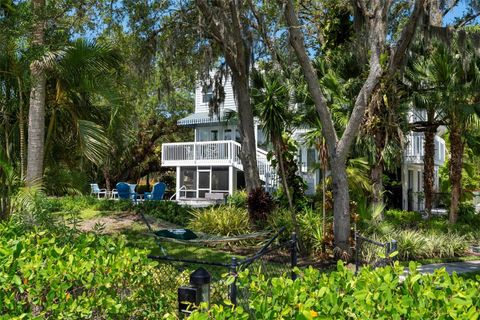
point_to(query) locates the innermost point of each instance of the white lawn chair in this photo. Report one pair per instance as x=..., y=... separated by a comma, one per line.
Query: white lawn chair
x=95, y=190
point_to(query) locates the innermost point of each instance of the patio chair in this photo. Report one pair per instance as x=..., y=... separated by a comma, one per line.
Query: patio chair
x=157, y=193
x=124, y=192
x=95, y=190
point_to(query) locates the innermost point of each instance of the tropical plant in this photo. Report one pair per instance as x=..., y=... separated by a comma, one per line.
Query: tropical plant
x=47, y=275
x=166, y=210
x=221, y=220
x=238, y=199
x=371, y=294
x=260, y=206
x=449, y=76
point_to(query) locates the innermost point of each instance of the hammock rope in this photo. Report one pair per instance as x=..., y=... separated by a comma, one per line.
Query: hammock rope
x=204, y=238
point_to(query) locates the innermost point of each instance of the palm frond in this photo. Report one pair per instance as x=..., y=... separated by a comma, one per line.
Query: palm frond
x=93, y=143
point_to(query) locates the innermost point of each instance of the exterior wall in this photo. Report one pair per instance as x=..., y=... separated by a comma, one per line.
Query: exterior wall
x=204, y=133
x=229, y=103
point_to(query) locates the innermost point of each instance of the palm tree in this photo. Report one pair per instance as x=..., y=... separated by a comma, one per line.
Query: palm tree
x=420, y=96
x=271, y=99
x=450, y=77
x=36, y=116
x=84, y=108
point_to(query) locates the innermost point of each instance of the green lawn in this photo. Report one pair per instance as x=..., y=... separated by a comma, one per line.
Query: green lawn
x=137, y=236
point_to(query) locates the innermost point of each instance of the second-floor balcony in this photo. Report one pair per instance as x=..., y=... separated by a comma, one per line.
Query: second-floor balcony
x=414, y=150
x=201, y=153
x=209, y=153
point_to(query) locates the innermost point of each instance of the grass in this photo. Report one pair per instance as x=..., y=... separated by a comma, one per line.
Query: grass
x=135, y=232
x=139, y=239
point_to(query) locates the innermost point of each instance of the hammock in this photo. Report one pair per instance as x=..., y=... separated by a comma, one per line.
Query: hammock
x=201, y=238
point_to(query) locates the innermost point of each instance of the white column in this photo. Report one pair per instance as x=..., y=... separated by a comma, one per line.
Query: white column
x=256, y=133
x=404, y=187
x=230, y=180
x=178, y=184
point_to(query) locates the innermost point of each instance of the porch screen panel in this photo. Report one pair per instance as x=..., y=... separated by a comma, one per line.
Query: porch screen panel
x=220, y=179
x=204, y=180
x=188, y=179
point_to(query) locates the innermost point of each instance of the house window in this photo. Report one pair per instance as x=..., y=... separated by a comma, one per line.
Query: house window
x=207, y=94
x=227, y=134
x=214, y=135
x=203, y=135
x=311, y=159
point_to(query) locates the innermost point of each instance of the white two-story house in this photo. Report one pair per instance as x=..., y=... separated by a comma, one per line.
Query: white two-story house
x=412, y=164
x=210, y=165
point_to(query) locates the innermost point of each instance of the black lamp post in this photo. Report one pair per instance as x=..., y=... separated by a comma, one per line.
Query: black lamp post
x=196, y=293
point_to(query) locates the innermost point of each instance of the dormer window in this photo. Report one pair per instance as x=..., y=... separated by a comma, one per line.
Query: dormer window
x=207, y=94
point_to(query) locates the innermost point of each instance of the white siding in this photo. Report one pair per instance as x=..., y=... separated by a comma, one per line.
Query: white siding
x=229, y=103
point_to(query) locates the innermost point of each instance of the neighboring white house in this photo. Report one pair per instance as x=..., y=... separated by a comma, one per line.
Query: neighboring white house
x=210, y=165
x=412, y=164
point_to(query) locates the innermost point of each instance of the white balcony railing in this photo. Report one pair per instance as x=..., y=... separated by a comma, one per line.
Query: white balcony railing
x=414, y=150
x=200, y=153
x=225, y=152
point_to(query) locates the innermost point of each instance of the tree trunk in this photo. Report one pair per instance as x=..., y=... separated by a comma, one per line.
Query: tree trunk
x=375, y=17
x=21, y=125
x=281, y=164
x=341, y=207
x=456, y=164
x=278, y=154
x=434, y=18
x=429, y=162
x=36, y=115
x=245, y=125
x=106, y=176
x=376, y=173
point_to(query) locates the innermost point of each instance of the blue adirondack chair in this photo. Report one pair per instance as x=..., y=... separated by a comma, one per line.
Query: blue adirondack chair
x=157, y=193
x=125, y=192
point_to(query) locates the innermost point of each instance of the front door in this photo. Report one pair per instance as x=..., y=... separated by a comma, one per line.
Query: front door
x=203, y=182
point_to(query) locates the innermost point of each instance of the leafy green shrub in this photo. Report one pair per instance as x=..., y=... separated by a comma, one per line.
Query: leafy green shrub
x=238, y=199
x=411, y=244
x=113, y=205
x=467, y=213
x=61, y=181
x=311, y=230
x=421, y=244
x=260, y=205
x=221, y=220
x=310, y=223
x=377, y=294
x=68, y=203
x=446, y=245
x=403, y=219
x=279, y=218
x=166, y=210
x=44, y=276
